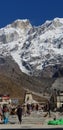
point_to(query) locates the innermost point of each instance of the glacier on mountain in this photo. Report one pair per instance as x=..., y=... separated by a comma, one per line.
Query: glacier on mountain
x=33, y=48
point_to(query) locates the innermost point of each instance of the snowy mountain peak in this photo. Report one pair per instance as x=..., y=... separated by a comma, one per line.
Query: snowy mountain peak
x=33, y=48
x=22, y=24
x=58, y=20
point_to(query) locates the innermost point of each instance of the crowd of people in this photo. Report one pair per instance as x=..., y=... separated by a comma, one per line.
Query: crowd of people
x=6, y=111
x=25, y=109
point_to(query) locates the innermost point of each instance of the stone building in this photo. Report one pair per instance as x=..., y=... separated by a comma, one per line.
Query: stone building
x=28, y=99
x=60, y=99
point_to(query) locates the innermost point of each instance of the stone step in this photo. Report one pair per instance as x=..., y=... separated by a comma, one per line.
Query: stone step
x=29, y=121
x=33, y=121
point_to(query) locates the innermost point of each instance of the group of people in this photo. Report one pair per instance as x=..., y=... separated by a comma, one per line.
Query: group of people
x=5, y=112
x=28, y=108
x=19, y=110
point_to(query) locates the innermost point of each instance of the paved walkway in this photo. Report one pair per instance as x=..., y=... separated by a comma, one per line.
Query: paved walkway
x=35, y=120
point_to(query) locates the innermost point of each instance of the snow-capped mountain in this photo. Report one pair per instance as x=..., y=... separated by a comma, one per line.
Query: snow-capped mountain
x=33, y=48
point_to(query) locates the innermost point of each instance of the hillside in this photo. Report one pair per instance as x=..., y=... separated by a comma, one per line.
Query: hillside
x=31, y=57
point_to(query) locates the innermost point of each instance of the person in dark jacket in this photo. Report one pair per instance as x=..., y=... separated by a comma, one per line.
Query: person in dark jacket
x=19, y=113
x=49, y=108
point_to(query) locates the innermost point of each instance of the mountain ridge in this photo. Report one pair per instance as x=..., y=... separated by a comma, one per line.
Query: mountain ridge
x=37, y=52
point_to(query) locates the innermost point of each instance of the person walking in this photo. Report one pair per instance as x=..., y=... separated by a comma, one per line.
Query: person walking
x=19, y=113
x=49, y=109
x=5, y=114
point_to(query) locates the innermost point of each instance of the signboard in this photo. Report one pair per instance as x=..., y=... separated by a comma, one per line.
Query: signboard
x=14, y=101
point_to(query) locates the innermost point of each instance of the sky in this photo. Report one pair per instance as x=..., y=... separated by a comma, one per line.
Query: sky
x=37, y=11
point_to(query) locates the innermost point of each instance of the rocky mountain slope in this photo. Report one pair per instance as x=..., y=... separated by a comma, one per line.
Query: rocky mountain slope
x=32, y=56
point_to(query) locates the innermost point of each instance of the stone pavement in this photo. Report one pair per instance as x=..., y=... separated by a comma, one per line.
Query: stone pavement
x=35, y=120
